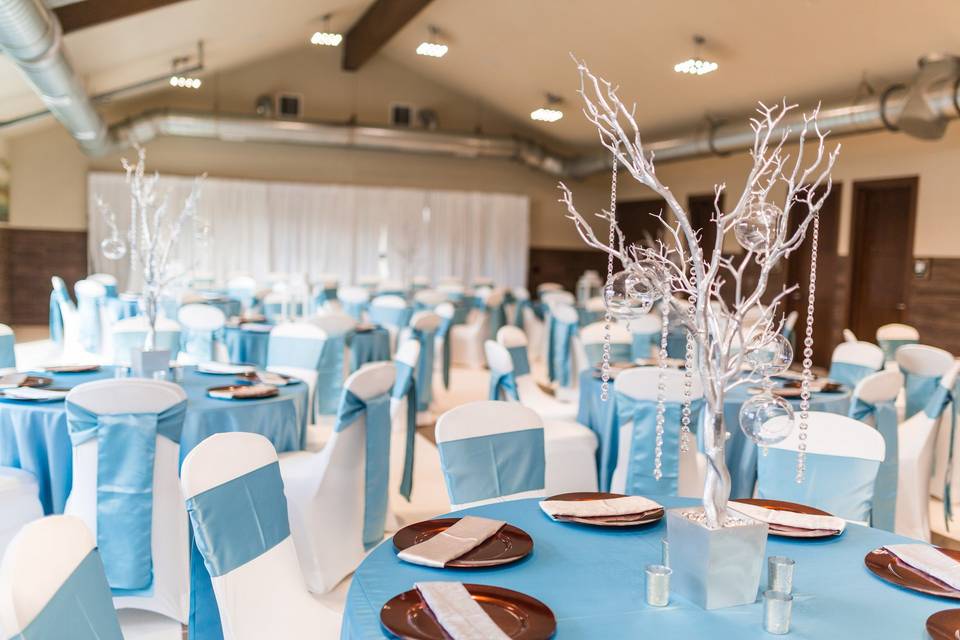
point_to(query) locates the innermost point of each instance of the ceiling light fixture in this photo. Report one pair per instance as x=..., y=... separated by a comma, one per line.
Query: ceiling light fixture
x=696, y=65
x=182, y=67
x=432, y=46
x=326, y=38
x=185, y=82
x=548, y=112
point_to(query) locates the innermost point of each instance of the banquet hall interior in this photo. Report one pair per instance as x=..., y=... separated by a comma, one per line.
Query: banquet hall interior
x=448, y=319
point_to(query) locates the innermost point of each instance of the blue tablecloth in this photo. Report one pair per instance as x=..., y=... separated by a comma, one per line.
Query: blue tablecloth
x=250, y=347
x=33, y=436
x=593, y=581
x=741, y=452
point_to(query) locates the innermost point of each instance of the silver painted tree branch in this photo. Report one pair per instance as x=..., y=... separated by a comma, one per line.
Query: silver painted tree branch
x=720, y=328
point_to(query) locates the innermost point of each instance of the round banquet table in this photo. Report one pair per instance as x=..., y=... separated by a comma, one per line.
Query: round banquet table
x=741, y=452
x=593, y=580
x=249, y=346
x=34, y=436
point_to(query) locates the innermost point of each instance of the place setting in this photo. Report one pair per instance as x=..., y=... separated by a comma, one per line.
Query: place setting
x=600, y=509
x=789, y=519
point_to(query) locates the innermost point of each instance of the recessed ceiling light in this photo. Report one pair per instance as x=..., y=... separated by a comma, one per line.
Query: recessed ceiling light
x=432, y=46
x=697, y=65
x=326, y=37
x=549, y=112
x=185, y=82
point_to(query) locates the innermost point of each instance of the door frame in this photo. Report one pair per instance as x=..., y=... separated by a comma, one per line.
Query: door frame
x=858, y=251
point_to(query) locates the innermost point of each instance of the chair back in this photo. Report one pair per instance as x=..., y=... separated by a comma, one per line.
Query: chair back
x=390, y=311
x=922, y=367
x=544, y=287
x=131, y=333
x=52, y=584
x=390, y=288
x=428, y=299
x=108, y=281
x=368, y=282
x=559, y=296
x=842, y=459
x=8, y=358
x=636, y=393
x=621, y=342
x=354, y=300
x=295, y=349
x=235, y=497
x=851, y=362
x=562, y=329
x=243, y=288
x=90, y=310
x=849, y=336
x=199, y=324
x=892, y=336
x=646, y=335
x=491, y=452
x=514, y=340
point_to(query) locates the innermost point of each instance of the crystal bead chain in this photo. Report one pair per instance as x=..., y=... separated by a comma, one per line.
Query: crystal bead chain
x=661, y=384
x=688, y=373
x=607, y=317
x=807, y=355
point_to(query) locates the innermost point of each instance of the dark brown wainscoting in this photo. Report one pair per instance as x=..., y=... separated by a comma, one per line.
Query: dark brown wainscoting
x=28, y=258
x=564, y=266
x=933, y=305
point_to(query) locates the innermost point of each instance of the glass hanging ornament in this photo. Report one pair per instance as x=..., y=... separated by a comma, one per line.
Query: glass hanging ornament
x=757, y=227
x=608, y=315
x=627, y=295
x=808, y=354
x=766, y=418
x=113, y=248
x=769, y=355
x=202, y=232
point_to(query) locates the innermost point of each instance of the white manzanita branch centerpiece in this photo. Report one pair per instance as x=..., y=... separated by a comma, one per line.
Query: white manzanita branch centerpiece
x=152, y=236
x=733, y=339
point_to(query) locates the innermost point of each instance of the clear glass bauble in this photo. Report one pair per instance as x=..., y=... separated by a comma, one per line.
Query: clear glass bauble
x=113, y=248
x=769, y=355
x=757, y=418
x=628, y=295
x=757, y=227
x=655, y=275
x=202, y=232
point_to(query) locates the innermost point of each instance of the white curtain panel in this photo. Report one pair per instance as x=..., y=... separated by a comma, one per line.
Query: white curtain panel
x=273, y=227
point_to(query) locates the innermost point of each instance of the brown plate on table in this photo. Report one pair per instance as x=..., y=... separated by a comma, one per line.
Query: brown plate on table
x=507, y=545
x=518, y=615
x=366, y=327
x=243, y=391
x=632, y=520
x=944, y=625
x=817, y=386
x=72, y=368
x=792, y=507
x=14, y=380
x=889, y=567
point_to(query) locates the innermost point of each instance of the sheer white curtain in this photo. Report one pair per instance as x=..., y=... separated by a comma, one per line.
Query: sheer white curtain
x=268, y=227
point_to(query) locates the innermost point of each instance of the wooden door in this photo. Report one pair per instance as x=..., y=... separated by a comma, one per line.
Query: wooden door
x=827, y=331
x=635, y=220
x=882, y=250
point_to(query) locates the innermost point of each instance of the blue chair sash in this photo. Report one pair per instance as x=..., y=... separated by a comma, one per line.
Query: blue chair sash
x=390, y=316
x=677, y=343
x=938, y=401
x=199, y=344
x=917, y=391
x=521, y=361
x=405, y=386
x=246, y=297
x=8, y=358
x=294, y=351
x=377, y=463
x=461, y=309
x=81, y=609
x=619, y=352
x=849, y=373
x=354, y=309
x=443, y=333
x=890, y=346
x=126, y=341
x=885, y=490
x=776, y=480
x=497, y=318
x=518, y=312
x=88, y=310
x=426, y=338
x=126, y=449
x=503, y=386
x=643, y=345
x=330, y=374
x=640, y=465
x=373, y=346
x=589, y=317
x=240, y=520
x=558, y=351
x=492, y=466
x=56, y=318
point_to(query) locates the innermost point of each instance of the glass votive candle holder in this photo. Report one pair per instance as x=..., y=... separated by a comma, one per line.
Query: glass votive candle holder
x=177, y=374
x=658, y=585
x=777, y=607
x=780, y=574
x=121, y=371
x=664, y=552
x=160, y=374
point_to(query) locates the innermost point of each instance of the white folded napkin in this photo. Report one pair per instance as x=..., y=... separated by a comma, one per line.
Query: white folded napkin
x=466, y=534
x=625, y=506
x=788, y=518
x=929, y=560
x=12, y=380
x=32, y=393
x=458, y=613
x=268, y=377
x=225, y=368
x=258, y=327
x=242, y=391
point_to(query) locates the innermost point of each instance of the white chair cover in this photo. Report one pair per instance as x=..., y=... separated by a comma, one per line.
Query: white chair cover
x=851, y=362
x=200, y=325
x=131, y=333
x=891, y=337
x=466, y=340
x=247, y=544
x=19, y=503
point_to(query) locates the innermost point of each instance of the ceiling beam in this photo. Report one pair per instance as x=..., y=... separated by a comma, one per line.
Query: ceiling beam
x=81, y=15
x=375, y=27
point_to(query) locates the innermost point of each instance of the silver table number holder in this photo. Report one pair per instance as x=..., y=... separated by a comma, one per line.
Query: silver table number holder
x=145, y=363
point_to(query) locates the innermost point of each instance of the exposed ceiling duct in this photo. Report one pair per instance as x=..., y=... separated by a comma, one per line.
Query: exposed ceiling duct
x=31, y=36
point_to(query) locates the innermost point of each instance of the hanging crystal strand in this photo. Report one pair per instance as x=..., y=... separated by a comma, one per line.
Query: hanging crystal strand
x=661, y=383
x=807, y=355
x=688, y=373
x=608, y=318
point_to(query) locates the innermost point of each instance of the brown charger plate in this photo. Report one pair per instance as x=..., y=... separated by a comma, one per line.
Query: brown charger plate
x=366, y=327
x=268, y=392
x=606, y=521
x=819, y=386
x=507, y=545
x=944, y=625
x=792, y=507
x=889, y=567
x=72, y=368
x=518, y=615
x=36, y=381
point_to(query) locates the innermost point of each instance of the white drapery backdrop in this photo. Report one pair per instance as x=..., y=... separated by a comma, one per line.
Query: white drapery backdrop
x=260, y=228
